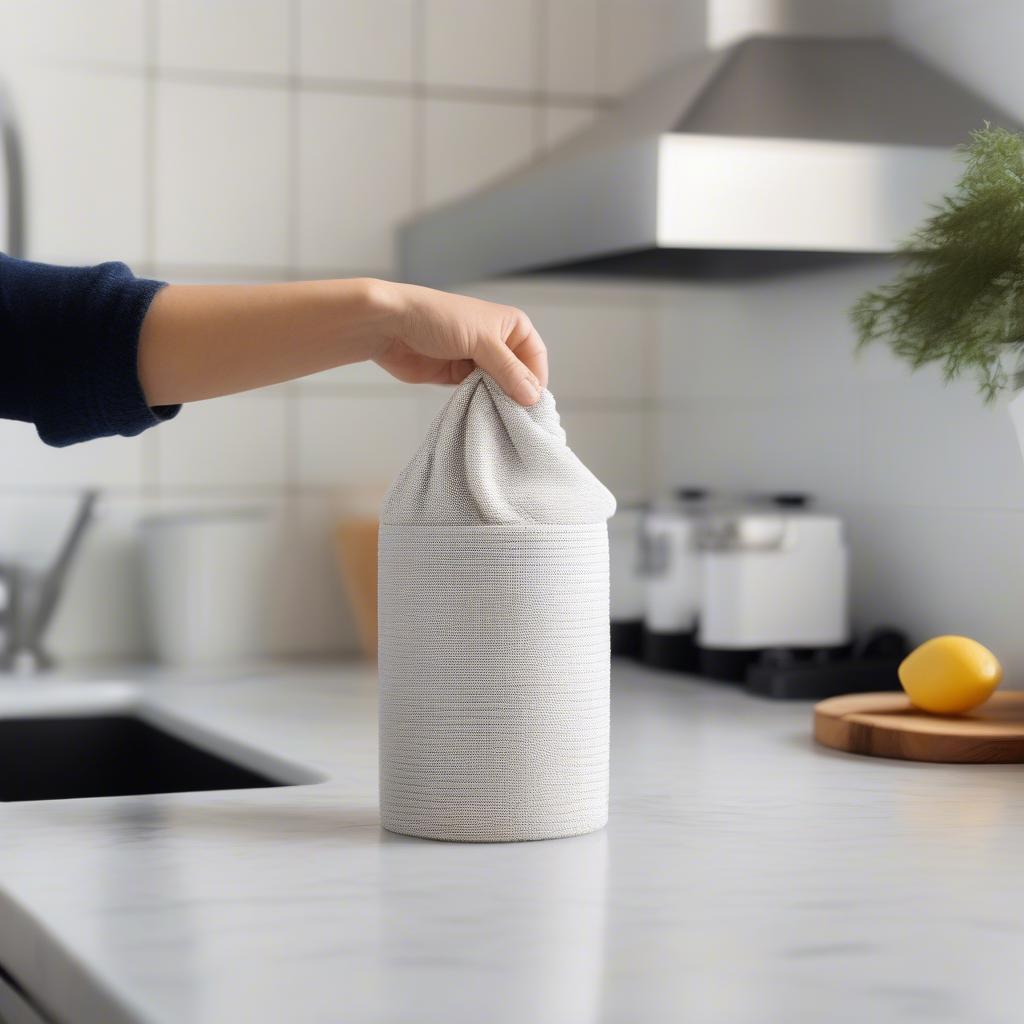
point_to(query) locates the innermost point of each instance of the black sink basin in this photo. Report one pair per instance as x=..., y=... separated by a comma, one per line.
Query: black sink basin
x=61, y=758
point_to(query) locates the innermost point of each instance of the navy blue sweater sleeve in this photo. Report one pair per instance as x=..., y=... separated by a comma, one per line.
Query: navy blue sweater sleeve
x=69, y=346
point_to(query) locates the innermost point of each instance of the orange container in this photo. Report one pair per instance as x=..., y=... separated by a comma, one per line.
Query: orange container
x=355, y=547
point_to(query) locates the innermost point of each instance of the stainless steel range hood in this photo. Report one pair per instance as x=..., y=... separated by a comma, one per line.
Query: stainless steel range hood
x=767, y=155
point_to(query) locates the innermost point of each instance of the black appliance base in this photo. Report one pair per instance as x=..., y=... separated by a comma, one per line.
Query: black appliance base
x=628, y=639
x=674, y=651
x=816, y=681
x=725, y=665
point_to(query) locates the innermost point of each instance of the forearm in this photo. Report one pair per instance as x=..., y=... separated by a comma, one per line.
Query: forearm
x=201, y=341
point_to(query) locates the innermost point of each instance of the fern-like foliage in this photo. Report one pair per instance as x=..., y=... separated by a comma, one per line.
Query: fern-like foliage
x=959, y=299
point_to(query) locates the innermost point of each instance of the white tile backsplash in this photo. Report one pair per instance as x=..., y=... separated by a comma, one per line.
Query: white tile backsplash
x=597, y=349
x=751, y=338
x=477, y=44
x=351, y=197
x=309, y=610
x=239, y=441
x=355, y=440
x=793, y=443
x=108, y=462
x=83, y=139
x=643, y=36
x=230, y=141
x=974, y=41
x=571, y=47
x=368, y=40
x=469, y=144
x=639, y=47
x=936, y=570
x=759, y=387
x=926, y=443
x=561, y=123
x=98, y=32
x=221, y=176
x=223, y=35
x=614, y=445
x=755, y=385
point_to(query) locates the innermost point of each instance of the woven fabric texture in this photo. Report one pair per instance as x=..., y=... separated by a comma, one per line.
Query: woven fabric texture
x=488, y=461
x=493, y=629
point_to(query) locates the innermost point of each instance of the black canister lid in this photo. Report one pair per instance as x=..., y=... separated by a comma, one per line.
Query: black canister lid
x=692, y=493
x=791, y=499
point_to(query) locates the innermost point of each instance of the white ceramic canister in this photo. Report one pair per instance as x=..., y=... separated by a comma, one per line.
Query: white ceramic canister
x=626, y=568
x=672, y=580
x=207, y=581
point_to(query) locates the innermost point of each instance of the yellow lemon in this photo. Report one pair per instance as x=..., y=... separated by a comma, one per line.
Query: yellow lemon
x=950, y=674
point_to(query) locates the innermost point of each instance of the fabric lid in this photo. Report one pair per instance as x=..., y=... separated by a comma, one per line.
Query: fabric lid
x=488, y=461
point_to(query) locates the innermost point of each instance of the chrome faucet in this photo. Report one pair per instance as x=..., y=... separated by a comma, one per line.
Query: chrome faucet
x=28, y=601
x=12, y=182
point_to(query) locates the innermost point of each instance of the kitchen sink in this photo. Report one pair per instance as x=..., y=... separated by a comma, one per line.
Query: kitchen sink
x=107, y=741
x=108, y=755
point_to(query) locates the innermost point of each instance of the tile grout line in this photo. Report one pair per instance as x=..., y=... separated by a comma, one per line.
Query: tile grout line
x=351, y=86
x=541, y=12
x=291, y=395
x=419, y=112
x=149, y=138
x=292, y=199
x=149, y=475
x=236, y=492
x=622, y=295
x=601, y=49
x=651, y=420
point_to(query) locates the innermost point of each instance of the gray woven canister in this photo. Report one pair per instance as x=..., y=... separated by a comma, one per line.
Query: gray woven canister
x=493, y=629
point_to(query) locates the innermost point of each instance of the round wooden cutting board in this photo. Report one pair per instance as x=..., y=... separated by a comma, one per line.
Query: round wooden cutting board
x=888, y=725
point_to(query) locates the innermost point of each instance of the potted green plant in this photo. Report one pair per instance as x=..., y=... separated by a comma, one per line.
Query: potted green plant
x=958, y=300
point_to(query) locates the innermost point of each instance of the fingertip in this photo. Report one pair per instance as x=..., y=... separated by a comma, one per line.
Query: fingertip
x=534, y=355
x=526, y=392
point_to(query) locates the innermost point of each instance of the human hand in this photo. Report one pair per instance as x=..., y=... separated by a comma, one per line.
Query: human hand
x=434, y=337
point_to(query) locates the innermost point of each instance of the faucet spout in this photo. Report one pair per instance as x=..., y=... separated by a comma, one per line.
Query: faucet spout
x=24, y=622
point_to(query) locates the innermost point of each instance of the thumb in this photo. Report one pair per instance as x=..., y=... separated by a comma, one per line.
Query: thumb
x=513, y=376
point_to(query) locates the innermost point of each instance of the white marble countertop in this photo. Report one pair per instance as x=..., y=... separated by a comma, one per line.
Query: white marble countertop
x=746, y=876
